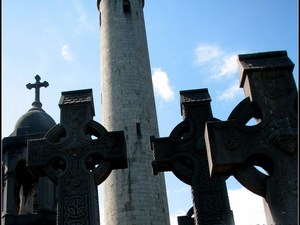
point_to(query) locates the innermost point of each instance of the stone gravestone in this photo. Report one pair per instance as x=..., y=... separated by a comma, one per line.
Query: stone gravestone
x=27, y=200
x=77, y=154
x=233, y=148
x=184, y=153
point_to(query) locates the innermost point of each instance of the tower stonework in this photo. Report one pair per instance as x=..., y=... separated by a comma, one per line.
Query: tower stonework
x=132, y=196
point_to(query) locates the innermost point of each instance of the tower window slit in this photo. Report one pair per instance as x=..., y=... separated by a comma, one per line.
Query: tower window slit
x=126, y=6
x=138, y=129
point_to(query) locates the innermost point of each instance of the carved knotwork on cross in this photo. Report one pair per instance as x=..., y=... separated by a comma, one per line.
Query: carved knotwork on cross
x=184, y=153
x=233, y=148
x=78, y=154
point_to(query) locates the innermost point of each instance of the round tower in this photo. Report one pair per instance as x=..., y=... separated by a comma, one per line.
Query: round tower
x=133, y=195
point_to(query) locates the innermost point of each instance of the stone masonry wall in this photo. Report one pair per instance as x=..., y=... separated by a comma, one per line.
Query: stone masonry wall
x=132, y=196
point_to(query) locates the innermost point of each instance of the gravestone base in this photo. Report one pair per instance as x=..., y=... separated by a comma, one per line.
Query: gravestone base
x=44, y=218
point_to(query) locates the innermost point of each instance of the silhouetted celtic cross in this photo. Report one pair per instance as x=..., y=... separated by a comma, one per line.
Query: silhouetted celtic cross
x=78, y=154
x=37, y=85
x=184, y=153
x=233, y=148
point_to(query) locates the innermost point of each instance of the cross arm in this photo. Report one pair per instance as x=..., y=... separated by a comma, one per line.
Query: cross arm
x=161, y=153
x=234, y=149
x=230, y=144
x=108, y=153
x=44, y=158
x=175, y=153
x=115, y=150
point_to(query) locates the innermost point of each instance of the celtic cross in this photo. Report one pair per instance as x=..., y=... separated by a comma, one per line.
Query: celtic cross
x=234, y=148
x=184, y=153
x=77, y=155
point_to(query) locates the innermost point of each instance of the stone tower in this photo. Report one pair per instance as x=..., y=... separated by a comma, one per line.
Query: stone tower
x=132, y=196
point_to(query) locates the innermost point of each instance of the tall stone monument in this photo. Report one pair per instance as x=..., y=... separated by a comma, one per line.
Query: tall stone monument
x=27, y=200
x=133, y=195
x=233, y=148
x=77, y=154
x=184, y=153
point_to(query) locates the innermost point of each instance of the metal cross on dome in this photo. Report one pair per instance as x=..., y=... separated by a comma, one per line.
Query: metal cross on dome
x=37, y=85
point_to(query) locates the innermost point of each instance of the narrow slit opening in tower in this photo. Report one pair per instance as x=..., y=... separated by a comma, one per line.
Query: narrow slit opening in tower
x=138, y=129
x=126, y=6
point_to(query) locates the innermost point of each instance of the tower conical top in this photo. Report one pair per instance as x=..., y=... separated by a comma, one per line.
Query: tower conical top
x=37, y=85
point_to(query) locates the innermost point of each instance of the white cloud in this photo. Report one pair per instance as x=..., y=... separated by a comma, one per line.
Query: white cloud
x=228, y=67
x=161, y=84
x=66, y=53
x=247, y=207
x=205, y=53
x=216, y=61
x=183, y=189
x=231, y=93
x=84, y=22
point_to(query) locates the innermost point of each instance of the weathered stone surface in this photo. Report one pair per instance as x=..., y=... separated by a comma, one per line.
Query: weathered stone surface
x=127, y=103
x=233, y=148
x=184, y=153
x=77, y=154
x=26, y=200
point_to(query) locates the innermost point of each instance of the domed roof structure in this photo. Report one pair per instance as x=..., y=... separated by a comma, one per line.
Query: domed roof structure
x=36, y=120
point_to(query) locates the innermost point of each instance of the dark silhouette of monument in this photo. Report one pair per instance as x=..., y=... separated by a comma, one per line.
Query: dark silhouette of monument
x=233, y=148
x=184, y=153
x=26, y=200
x=77, y=155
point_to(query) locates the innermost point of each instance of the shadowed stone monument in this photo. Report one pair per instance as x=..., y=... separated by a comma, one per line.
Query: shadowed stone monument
x=77, y=154
x=233, y=148
x=184, y=153
x=27, y=200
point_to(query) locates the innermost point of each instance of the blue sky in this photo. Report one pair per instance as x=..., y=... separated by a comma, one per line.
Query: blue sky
x=192, y=44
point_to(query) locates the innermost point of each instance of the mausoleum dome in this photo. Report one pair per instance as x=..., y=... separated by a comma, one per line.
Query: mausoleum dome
x=36, y=120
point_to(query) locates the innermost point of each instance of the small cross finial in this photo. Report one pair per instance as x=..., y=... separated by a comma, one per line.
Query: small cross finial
x=37, y=85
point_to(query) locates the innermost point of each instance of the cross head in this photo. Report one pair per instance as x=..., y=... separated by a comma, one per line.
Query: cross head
x=77, y=155
x=184, y=153
x=235, y=148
